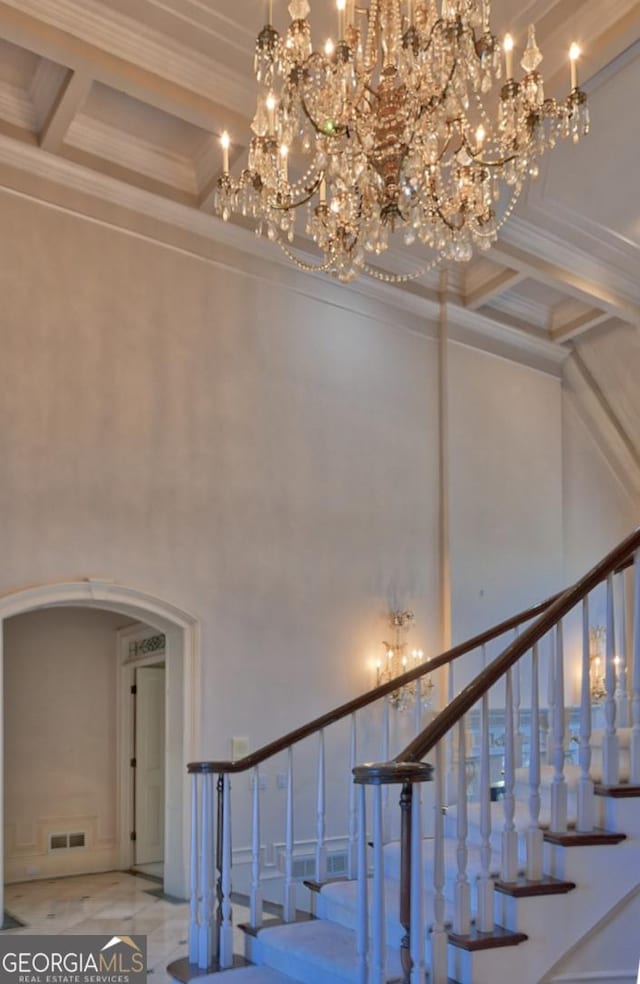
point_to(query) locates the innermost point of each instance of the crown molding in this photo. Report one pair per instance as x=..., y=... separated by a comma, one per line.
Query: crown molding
x=100, y=197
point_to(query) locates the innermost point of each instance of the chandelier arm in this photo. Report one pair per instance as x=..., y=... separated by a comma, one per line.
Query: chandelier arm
x=303, y=201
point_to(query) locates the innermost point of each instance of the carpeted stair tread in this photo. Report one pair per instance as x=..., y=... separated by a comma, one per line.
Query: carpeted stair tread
x=249, y=975
x=317, y=951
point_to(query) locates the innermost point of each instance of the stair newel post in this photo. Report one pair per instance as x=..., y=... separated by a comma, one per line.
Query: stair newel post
x=534, y=833
x=635, y=734
x=610, y=746
x=193, y=874
x=208, y=942
x=585, y=819
x=362, y=924
x=406, y=844
x=559, y=785
x=321, y=845
x=622, y=694
x=462, y=908
x=226, y=924
x=378, y=927
x=485, y=881
x=353, y=845
x=417, y=927
x=289, y=888
x=255, y=896
x=439, y=940
x=509, y=832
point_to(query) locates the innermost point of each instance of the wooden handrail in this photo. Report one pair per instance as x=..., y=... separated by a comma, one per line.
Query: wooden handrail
x=615, y=561
x=370, y=696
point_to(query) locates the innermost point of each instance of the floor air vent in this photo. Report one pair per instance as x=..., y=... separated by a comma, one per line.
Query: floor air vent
x=66, y=842
x=304, y=866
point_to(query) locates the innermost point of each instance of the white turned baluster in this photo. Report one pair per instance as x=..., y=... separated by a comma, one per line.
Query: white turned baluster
x=517, y=717
x=362, y=916
x=207, y=945
x=255, y=896
x=352, y=848
x=378, y=934
x=551, y=695
x=558, y=786
x=449, y=779
x=418, y=708
x=509, y=832
x=534, y=833
x=384, y=757
x=635, y=734
x=226, y=925
x=610, y=745
x=622, y=693
x=586, y=807
x=485, y=881
x=321, y=846
x=289, y=902
x=416, y=931
x=193, y=870
x=462, y=908
x=439, y=941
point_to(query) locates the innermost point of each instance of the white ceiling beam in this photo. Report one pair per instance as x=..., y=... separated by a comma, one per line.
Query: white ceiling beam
x=546, y=272
x=564, y=329
x=492, y=287
x=69, y=102
x=59, y=46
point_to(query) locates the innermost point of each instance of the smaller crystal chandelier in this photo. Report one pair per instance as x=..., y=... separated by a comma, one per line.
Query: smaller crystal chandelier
x=597, y=637
x=396, y=662
x=389, y=132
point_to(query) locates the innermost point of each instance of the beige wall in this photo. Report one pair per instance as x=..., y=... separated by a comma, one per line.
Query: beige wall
x=60, y=740
x=263, y=459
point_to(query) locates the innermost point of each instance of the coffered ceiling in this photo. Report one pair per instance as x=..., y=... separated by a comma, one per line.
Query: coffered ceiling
x=120, y=103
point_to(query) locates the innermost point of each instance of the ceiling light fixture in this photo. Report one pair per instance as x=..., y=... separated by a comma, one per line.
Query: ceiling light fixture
x=393, y=127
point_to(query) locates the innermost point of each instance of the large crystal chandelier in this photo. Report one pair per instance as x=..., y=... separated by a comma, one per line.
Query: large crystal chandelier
x=393, y=130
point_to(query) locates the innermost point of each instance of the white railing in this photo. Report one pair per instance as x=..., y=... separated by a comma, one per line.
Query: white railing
x=535, y=749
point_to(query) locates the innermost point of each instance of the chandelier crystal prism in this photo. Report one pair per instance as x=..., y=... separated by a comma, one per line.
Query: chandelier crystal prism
x=397, y=132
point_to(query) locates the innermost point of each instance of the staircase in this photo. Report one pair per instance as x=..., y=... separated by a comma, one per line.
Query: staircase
x=473, y=890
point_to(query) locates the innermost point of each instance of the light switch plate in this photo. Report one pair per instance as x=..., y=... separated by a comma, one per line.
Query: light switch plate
x=239, y=748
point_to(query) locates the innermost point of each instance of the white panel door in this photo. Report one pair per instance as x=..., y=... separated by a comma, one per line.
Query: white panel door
x=149, y=772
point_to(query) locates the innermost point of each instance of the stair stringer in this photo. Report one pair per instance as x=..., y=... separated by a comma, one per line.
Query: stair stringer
x=597, y=937
x=603, y=874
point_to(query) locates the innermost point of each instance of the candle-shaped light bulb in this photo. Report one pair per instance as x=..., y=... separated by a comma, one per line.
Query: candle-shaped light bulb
x=323, y=191
x=284, y=162
x=507, y=46
x=329, y=47
x=341, y=6
x=270, y=103
x=481, y=136
x=225, y=143
x=268, y=12
x=574, y=54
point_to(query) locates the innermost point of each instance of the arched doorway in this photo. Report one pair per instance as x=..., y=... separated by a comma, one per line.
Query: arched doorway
x=182, y=706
